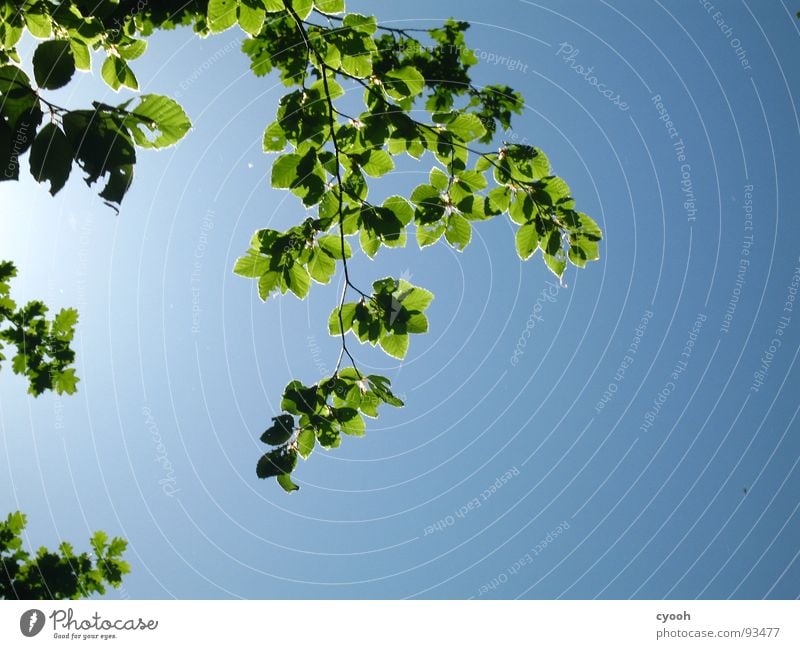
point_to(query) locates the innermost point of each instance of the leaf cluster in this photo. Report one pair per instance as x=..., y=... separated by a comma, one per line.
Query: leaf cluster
x=102, y=140
x=318, y=415
x=43, y=352
x=60, y=574
x=359, y=95
x=393, y=311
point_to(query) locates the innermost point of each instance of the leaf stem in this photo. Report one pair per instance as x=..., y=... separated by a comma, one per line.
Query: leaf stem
x=340, y=209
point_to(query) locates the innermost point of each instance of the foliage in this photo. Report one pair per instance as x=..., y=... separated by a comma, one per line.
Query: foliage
x=57, y=575
x=324, y=156
x=44, y=354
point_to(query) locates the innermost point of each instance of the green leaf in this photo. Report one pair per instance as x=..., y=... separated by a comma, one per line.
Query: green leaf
x=557, y=189
x=267, y=283
x=522, y=209
x=19, y=105
x=280, y=431
x=10, y=33
x=580, y=223
x=321, y=267
x=16, y=522
x=369, y=242
x=19, y=364
x=163, y=118
x=348, y=315
x=116, y=74
x=364, y=24
x=527, y=162
x=582, y=249
x=403, y=82
x=396, y=345
x=51, y=157
x=377, y=163
x=417, y=323
x=99, y=541
x=284, y=171
x=81, y=54
x=439, y=179
x=429, y=233
x=430, y=207
x=414, y=298
x=330, y=6
x=357, y=66
x=38, y=23
x=274, y=138
x=556, y=261
x=221, y=14
x=276, y=462
x=401, y=209
x=251, y=16
x=132, y=50
x=380, y=386
x=117, y=547
x=458, y=232
x=499, y=199
x=305, y=442
x=354, y=425
x=527, y=240
x=101, y=146
x=466, y=127
x=53, y=64
x=300, y=399
x=541, y=165
x=302, y=7
x=298, y=280
x=251, y=265
x=64, y=324
x=327, y=436
x=285, y=481
x=65, y=382
x=473, y=180
x=332, y=245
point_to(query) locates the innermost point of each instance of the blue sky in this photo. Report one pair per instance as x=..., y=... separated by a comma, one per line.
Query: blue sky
x=500, y=478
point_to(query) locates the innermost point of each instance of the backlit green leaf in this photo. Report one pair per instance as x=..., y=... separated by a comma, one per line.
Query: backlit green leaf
x=157, y=122
x=222, y=14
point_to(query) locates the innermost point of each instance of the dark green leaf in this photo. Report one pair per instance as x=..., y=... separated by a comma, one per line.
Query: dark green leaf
x=276, y=462
x=51, y=157
x=300, y=399
x=53, y=64
x=280, y=431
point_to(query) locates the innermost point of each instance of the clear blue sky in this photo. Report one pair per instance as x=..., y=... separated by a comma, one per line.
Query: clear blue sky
x=643, y=497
